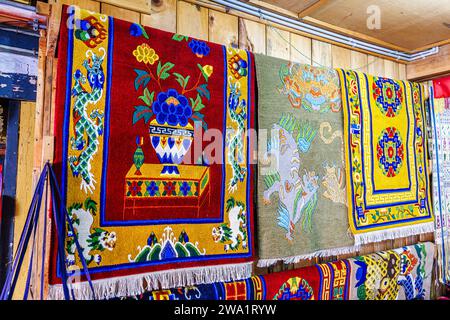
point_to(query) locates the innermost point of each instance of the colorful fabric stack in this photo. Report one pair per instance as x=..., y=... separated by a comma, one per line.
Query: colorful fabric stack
x=400, y=274
x=386, y=157
x=440, y=128
x=301, y=178
x=320, y=282
x=152, y=207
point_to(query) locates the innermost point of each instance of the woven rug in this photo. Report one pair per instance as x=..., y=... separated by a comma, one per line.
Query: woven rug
x=386, y=157
x=302, y=209
x=440, y=128
x=399, y=274
x=155, y=204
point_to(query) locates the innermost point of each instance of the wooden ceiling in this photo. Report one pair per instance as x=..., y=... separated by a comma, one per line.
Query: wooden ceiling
x=407, y=25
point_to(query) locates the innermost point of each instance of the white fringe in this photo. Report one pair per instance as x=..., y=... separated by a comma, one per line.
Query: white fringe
x=140, y=283
x=394, y=233
x=264, y=263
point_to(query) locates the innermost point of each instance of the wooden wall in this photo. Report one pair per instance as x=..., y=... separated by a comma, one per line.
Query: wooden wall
x=212, y=23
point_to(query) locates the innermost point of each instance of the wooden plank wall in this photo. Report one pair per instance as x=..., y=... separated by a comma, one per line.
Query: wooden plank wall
x=198, y=19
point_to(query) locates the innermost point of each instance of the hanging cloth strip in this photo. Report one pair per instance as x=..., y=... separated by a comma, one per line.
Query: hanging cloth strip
x=441, y=87
x=439, y=110
x=61, y=218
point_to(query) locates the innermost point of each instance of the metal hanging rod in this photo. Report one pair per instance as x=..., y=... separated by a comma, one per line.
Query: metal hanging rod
x=323, y=33
x=22, y=13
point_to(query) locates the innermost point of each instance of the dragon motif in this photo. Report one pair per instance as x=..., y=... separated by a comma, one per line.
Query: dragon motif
x=81, y=215
x=314, y=89
x=297, y=192
x=87, y=127
x=236, y=157
x=413, y=286
x=234, y=231
x=334, y=183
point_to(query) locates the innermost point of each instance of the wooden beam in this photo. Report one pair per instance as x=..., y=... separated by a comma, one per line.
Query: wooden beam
x=211, y=5
x=430, y=67
x=353, y=34
x=314, y=7
x=252, y=36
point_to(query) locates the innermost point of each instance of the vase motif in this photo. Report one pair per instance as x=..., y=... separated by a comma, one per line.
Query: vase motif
x=171, y=143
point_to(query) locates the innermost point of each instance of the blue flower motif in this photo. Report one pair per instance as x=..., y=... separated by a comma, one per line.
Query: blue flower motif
x=198, y=47
x=77, y=74
x=185, y=188
x=135, y=30
x=152, y=188
x=172, y=108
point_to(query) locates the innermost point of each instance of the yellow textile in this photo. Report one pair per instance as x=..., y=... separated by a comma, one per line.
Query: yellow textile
x=385, y=148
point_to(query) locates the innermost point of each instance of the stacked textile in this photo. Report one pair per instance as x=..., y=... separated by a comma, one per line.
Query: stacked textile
x=151, y=205
x=400, y=274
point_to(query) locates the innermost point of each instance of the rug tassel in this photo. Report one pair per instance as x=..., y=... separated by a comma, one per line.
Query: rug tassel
x=140, y=283
x=394, y=233
x=264, y=263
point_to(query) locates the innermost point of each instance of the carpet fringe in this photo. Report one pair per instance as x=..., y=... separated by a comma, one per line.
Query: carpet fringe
x=140, y=283
x=264, y=263
x=394, y=233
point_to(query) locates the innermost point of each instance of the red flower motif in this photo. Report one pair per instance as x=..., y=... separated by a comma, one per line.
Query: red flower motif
x=389, y=93
x=134, y=189
x=169, y=188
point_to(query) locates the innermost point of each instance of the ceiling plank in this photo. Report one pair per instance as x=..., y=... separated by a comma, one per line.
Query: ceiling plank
x=315, y=6
x=405, y=23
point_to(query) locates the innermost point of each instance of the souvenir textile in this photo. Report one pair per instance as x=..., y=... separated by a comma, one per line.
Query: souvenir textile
x=302, y=202
x=386, y=157
x=153, y=155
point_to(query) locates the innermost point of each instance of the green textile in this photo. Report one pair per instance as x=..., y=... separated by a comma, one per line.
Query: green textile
x=302, y=208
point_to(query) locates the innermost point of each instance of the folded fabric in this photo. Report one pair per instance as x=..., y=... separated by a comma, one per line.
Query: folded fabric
x=400, y=274
x=153, y=203
x=440, y=129
x=386, y=157
x=302, y=207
